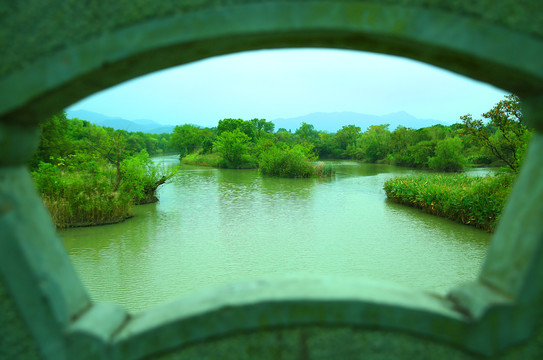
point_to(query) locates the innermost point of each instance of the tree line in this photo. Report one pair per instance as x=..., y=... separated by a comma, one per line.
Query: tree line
x=499, y=140
x=89, y=174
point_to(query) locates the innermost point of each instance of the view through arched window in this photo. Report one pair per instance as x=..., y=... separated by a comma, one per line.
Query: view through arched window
x=366, y=117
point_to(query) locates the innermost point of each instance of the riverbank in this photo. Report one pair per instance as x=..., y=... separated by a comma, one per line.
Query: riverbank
x=475, y=201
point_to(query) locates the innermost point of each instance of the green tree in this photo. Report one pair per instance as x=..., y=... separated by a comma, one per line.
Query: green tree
x=346, y=137
x=234, y=149
x=185, y=139
x=373, y=144
x=448, y=156
x=110, y=145
x=142, y=177
x=504, y=134
x=135, y=142
x=326, y=147
x=420, y=153
x=261, y=126
x=244, y=126
x=307, y=133
x=55, y=140
x=284, y=136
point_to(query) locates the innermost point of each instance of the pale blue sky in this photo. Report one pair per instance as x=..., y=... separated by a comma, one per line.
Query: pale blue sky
x=274, y=84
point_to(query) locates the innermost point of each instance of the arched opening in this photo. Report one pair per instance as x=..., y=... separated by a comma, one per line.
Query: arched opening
x=49, y=76
x=325, y=232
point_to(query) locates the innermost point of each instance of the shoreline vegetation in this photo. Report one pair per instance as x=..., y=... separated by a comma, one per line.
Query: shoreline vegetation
x=92, y=175
x=470, y=200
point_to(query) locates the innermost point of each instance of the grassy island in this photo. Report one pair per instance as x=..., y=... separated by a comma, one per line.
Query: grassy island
x=476, y=201
x=91, y=175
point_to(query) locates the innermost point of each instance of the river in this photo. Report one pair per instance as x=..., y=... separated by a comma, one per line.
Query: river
x=213, y=226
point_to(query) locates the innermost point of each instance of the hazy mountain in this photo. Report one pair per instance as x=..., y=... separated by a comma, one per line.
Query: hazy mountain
x=143, y=125
x=332, y=122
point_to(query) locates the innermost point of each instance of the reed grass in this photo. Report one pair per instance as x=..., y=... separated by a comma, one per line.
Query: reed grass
x=82, y=199
x=322, y=169
x=475, y=201
x=213, y=160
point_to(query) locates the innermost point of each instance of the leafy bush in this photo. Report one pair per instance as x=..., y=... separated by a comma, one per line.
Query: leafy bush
x=294, y=162
x=448, y=156
x=234, y=148
x=141, y=177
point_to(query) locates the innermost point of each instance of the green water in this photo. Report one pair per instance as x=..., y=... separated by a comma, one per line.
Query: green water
x=213, y=226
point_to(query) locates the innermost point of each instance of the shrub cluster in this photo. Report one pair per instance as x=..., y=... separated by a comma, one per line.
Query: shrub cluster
x=293, y=162
x=285, y=163
x=476, y=201
x=81, y=198
x=82, y=190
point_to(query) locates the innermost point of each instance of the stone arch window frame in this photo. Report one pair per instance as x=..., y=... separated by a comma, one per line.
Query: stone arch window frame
x=488, y=316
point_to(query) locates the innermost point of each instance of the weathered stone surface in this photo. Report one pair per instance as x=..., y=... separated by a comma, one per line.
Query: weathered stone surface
x=15, y=340
x=17, y=143
x=44, y=27
x=57, y=52
x=52, y=61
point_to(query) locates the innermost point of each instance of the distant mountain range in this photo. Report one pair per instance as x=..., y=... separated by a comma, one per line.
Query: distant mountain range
x=334, y=121
x=143, y=125
x=330, y=122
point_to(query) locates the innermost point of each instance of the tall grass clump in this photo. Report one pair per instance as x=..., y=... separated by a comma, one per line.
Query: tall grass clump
x=476, y=201
x=322, y=169
x=83, y=189
x=199, y=159
x=76, y=198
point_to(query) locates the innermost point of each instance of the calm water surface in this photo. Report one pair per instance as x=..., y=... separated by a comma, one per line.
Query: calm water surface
x=213, y=226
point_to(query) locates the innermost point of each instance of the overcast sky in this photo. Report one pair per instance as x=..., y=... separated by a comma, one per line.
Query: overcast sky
x=274, y=84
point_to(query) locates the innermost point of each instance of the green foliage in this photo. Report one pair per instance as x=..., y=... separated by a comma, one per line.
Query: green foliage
x=416, y=155
x=285, y=162
x=261, y=127
x=141, y=177
x=448, y=156
x=476, y=201
x=307, y=133
x=55, y=141
x=234, y=148
x=82, y=189
x=230, y=125
x=81, y=198
x=207, y=145
x=86, y=175
x=373, y=144
x=294, y=162
x=322, y=169
x=504, y=135
x=187, y=138
x=346, y=136
x=202, y=159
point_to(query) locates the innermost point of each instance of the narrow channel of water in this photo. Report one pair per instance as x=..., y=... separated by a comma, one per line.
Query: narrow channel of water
x=213, y=226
